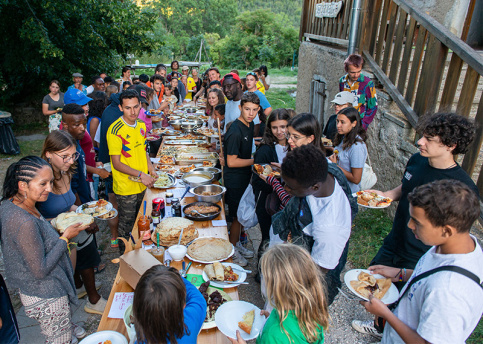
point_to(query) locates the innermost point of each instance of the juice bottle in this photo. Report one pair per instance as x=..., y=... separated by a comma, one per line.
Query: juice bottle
x=143, y=225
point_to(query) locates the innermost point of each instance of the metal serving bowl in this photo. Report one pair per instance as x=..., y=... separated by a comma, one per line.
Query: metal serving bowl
x=197, y=122
x=205, y=178
x=216, y=171
x=188, y=128
x=197, y=191
x=176, y=124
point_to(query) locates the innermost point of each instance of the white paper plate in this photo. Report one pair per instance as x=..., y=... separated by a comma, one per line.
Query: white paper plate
x=102, y=336
x=108, y=208
x=211, y=262
x=368, y=206
x=242, y=276
x=390, y=297
x=230, y=313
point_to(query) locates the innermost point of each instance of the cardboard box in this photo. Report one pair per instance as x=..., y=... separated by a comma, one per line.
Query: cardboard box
x=134, y=264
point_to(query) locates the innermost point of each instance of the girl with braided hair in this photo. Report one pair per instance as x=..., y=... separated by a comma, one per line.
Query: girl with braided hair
x=36, y=258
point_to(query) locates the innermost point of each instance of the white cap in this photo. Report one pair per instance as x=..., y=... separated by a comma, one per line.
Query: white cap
x=345, y=97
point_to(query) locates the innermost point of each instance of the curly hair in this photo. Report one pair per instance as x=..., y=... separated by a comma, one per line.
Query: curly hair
x=306, y=164
x=447, y=202
x=452, y=129
x=357, y=134
x=98, y=104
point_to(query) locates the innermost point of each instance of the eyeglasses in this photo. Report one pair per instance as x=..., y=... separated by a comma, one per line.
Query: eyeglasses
x=252, y=73
x=293, y=137
x=66, y=158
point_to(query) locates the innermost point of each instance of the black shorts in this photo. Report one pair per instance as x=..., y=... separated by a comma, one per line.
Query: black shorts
x=109, y=184
x=88, y=257
x=232, y=199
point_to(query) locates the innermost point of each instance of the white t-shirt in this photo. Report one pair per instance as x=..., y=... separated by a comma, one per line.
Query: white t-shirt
x=89, y=89
x=331, y=227
x=281, y=152
x=354, y=157
x=444, y=307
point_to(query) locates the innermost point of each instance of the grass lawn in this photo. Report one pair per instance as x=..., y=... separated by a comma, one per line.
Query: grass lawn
x=281, y=98
x=369, y=229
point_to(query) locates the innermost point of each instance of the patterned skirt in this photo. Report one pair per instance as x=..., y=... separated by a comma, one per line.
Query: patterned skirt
x=53, y=315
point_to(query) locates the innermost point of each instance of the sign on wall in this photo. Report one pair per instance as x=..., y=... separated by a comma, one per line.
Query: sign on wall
x=328, y=9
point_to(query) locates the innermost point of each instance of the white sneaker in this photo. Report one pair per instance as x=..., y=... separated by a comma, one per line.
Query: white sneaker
x=74, y=340
x=366, y=327
x=78, y=331
x=81, y=292
x=97, y=308
x=238, y=258
x=244, y=251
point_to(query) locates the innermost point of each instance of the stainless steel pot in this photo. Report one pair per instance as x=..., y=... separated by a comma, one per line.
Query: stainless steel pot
x=197, y=191
x=202, y=178
x=176, y=124
x=216, y=171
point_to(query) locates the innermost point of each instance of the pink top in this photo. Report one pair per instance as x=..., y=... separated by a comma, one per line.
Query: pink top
x=147, y=120
x=88, y=148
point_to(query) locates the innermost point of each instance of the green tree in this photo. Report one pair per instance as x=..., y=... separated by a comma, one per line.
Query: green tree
x=45, y=39
x=258, y=37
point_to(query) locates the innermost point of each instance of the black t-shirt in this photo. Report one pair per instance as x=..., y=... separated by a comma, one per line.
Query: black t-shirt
x=331, y=127
x=401, y=239
x=238, y=141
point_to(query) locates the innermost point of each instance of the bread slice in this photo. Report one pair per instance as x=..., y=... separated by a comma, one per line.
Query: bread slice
x=247, y=323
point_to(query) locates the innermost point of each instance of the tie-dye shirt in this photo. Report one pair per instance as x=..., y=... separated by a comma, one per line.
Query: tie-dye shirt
x=365, y=91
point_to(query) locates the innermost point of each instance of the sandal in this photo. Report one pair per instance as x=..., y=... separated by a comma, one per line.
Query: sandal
x=114, y=243
x=99, y=268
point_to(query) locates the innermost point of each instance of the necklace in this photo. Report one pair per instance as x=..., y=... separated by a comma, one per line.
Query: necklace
x=65, y=185
x=25, y=207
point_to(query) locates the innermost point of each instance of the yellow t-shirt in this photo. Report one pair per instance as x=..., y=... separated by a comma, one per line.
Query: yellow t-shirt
x=130, y=144
x=191, y=85
x=260, y=86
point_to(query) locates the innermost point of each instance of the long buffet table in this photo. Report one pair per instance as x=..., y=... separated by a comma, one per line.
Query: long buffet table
x=205, y=228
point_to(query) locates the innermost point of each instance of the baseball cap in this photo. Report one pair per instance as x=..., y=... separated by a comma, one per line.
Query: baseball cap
x=76, y=96
x=232, y=75
x=77, y=75
x=344, y=97
x=142, y=93
x=185, y=68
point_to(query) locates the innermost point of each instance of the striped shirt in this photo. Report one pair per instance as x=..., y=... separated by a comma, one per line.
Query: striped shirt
x=365, y=91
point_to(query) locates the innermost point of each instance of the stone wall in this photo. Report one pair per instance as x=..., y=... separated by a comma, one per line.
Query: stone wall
x=316, y=59
x=391, y=137
x=28, y=113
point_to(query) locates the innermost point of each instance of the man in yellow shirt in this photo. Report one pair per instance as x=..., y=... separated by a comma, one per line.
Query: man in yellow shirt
x=190, y=84
x=126, y=140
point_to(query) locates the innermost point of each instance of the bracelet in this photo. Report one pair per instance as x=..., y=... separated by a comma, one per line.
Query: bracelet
x=139, y=175
x=404, y=272
x=65, y=239
x=399, y=275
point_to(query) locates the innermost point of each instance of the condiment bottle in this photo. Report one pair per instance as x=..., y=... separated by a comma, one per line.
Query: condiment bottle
x=169, y=198
x=158, y=211
x=176, y=207
x=143, y=225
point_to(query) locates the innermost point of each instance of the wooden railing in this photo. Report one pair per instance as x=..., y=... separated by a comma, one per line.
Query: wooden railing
x=328, y=30
x=408, y=52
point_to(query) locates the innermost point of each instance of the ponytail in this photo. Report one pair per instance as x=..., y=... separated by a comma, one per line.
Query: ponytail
x=23, y=170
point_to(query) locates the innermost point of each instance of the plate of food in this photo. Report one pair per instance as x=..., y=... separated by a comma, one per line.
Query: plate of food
x=167, y=160
x=206, y=132
x=107, y=216
x=151, y=137
x=169, y=230
x=64, y=220
x=184, y=142
x=267, y=170
x=154, y=113
x=170, y=169
x=214, y=299
x=164, y=181
x=217, y=273
x=372, y=200
x=95, y=208
x=201, y=211
x=327, y=142
x=242, y=316
x=186, y=169
x=362, y=283
x=105, y=337
x=208, y=250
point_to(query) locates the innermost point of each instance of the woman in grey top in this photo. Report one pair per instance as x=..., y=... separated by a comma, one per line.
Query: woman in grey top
x=350, y=150
x=36, y=258
x=51, y=104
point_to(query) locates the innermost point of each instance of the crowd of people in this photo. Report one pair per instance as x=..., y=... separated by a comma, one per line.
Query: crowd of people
x=305, y=217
